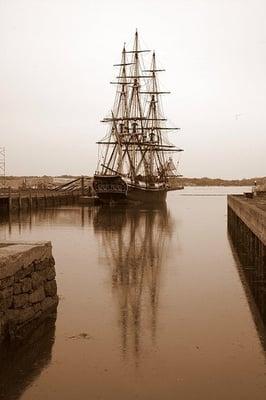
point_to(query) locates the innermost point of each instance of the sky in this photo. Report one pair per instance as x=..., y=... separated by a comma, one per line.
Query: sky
x=56, y=62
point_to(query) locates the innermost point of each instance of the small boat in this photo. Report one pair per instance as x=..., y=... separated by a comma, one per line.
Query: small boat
x=135, y=162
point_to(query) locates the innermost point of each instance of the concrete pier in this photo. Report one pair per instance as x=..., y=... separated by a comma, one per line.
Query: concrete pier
x=252, y=212
x=247, y=230
x=28, y=291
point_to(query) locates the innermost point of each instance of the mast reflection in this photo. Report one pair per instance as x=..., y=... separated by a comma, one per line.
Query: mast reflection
x=135, y=242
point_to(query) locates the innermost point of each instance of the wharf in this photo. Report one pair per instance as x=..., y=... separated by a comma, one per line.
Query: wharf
x=251, y=211
x=11, y=200
x=247, y=231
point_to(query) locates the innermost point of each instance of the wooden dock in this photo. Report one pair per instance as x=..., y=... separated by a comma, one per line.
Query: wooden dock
x=11, y=200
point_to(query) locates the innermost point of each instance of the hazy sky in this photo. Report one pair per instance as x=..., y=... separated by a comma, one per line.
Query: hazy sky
x=56, y=60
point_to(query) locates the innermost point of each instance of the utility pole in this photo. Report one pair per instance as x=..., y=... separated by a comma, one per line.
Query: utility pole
x=2, y=166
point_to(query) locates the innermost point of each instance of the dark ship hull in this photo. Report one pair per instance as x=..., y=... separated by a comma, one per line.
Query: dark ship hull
x=112, y=188
x=147, y=195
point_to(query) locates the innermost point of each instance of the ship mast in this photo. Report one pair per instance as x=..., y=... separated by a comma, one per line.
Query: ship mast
x=136, y=112
x=135, y=106
x=153, y=123
x=118, y=121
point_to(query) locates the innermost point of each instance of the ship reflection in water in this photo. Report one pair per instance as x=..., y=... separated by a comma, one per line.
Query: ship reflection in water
x=135, y=241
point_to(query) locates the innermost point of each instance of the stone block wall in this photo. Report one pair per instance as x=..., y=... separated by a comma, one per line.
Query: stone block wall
x=28, y=291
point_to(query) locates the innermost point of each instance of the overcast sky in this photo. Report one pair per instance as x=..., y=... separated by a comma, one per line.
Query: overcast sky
x=56, y=60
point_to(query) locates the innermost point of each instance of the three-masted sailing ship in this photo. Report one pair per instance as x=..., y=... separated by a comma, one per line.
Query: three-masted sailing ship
x=136, y=162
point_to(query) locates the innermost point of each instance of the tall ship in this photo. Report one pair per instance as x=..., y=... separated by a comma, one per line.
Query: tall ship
x=136, y=158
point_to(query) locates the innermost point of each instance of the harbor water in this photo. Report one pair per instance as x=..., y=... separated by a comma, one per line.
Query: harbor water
x=152, y=306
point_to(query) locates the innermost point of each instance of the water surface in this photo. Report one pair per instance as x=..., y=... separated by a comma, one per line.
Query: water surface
x=151, y=306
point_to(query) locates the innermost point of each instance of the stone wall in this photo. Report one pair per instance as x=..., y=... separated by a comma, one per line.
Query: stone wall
x=28, y=291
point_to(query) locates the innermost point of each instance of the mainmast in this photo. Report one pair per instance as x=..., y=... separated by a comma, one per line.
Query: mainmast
x=136, y=111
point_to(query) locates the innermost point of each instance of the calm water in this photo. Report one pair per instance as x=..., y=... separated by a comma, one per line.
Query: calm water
x=151, y=306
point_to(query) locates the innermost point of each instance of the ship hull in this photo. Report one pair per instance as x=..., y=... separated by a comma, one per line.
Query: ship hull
x=111, y=189
x=139, y=194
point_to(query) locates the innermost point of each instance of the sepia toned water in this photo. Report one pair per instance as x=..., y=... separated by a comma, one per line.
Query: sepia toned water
x=151, y=306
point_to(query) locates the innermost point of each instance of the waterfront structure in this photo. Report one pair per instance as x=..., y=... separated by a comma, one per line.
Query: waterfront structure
x=28, y=291
x=28, y=199
x=247, y=225
x=247, y=230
